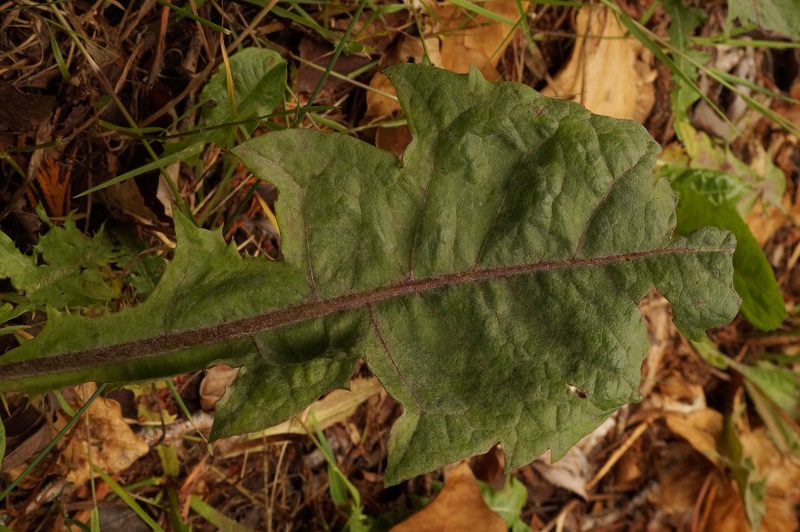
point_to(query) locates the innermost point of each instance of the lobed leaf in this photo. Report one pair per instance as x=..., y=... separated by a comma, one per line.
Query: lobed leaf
x=64, y=270
x=490, y=279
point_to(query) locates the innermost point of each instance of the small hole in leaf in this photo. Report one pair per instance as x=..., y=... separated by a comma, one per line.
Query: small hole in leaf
x=577, y=392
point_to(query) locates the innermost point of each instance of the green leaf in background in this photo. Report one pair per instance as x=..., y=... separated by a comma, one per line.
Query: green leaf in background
x=507, y=502
x=65, y=270
x=782, y=425
x=259, y=80
x=142, y=269
x=215, y=517
x=753, y=278
x=719, y=187
x=484, y=278
x=684, y=21
x=773, y=390
x=781, y=385
x=743, y=469
x=782, y=16
x=703, y=153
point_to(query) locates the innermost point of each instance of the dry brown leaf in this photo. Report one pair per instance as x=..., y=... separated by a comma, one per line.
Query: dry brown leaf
x=21, y=112
x=570, y=473
x=702, y=429
x=481, y=42
x=683, y=480
x=314, y=52
x=660, y=331
x=393, y=139
x=406, y=49
x=459, y=506
x=609, y=73
x=213, y=385
x=782, y=475
x=127, y=197
x=764, y=222
x=378, y=105
x=112, y=447
x=725, y=511
x=27, y=433
x=628, y=471
x=681, y=473
x=674, y=394
x=53, y=179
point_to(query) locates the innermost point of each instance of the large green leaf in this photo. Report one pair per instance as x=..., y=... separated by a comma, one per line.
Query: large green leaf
x=777, y=15
x=490, y=280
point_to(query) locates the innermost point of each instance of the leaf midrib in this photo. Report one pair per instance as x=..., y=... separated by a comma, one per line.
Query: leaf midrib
x=176, y=341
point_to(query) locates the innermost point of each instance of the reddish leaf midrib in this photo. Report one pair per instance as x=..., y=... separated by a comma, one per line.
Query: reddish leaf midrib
x=158, y=345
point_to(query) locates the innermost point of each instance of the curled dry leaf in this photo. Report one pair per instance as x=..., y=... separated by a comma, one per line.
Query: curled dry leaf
x=480, y=43
x=687, y=478
x=782, y=476
x=127, y=197
x=573, y=471
x=459, y=506
x=660, y=332
x=702, y=429
x=624, y=91
x=674, y=394
x=214, y=383
x=101, y=438
x=26, y=433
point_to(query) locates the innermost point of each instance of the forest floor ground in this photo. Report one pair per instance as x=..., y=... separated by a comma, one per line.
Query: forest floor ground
x=87, y=88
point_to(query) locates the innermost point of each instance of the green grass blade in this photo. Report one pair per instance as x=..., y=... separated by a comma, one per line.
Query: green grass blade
x=336, y=53
x=186, y=153
x=716, y=40
x=736, y=80
x=188, y=14
x=184, y=409
x=62, y=65
x=491, y=15
x=642, y=35
x=136, y=131
x=338, y=482
x=126, y=497
x=307, y=22
x=215, y=517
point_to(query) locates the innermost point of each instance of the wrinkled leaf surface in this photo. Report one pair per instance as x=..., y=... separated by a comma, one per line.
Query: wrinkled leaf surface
x=490, y=279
